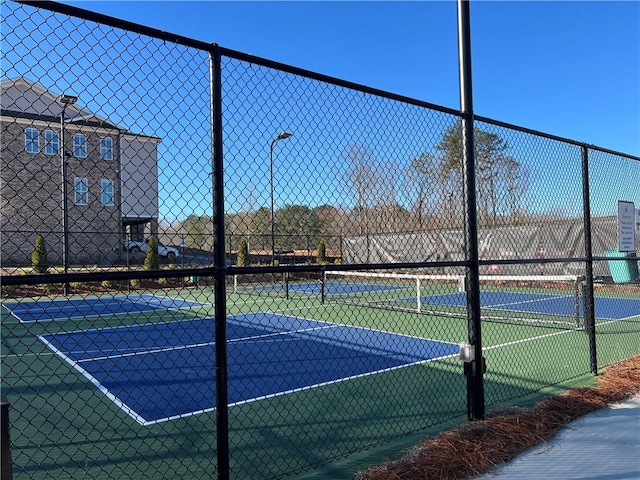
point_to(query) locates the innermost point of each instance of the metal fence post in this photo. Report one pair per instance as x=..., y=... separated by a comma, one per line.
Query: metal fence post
x=589, y=310
x=222, y=410
x=5, y=440
x=474, y=369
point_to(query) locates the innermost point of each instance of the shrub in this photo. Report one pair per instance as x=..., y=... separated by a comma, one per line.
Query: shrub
x=7, y=290
x=322, y=252
x=109, y=284
x=151, y=259
x=77, y=285
x=39, y=260
x=244, y=259
x=47, y=288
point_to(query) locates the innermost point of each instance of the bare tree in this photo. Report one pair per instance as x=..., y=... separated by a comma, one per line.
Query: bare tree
x=422, y=179
x=362, y=176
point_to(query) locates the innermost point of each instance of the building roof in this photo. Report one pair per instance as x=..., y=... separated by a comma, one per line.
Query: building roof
x=23, y=98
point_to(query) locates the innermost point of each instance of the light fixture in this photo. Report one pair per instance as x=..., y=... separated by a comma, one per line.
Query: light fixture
x=68, y=99
x=283, y=135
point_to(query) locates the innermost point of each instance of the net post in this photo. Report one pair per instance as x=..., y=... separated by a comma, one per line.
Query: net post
x=418, y=294
x=576, y=298
x=5, y=440
x=462, y=284
x=286, y=285
x=235, y=283
x=323, y=283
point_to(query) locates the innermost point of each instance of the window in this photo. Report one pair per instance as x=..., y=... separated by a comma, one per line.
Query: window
x=51, y=142
x=107, y=193
x=79, y=145
x=31, y=140
x=106, y=148
x=82, y=191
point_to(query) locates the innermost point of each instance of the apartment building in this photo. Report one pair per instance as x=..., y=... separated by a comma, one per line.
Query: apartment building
x=85, y=202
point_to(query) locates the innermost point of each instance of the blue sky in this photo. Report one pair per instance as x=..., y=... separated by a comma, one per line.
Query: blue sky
x=567, y=68
x=570, y=69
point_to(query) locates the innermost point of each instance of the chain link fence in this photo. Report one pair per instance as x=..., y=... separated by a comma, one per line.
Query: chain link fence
x=215, y=265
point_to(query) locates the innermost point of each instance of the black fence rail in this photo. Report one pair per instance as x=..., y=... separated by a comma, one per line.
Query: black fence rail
x=216, y=265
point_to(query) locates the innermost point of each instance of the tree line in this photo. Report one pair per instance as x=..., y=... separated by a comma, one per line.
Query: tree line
x=426, y=193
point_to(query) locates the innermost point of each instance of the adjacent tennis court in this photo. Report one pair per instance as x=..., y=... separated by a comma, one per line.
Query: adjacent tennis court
x=606, y=308
x=69, y=308
x=548, y=299
x=162, y=371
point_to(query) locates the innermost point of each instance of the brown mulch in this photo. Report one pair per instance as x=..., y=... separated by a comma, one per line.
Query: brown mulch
x=476, y=448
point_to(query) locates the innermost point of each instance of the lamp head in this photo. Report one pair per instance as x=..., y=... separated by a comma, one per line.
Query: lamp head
x=283, y=135
x=68, y=99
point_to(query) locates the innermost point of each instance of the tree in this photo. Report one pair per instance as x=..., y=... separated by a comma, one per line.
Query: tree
x=244, y=260
x=330, y=219
x=39, y=260
x=322, y=252
x=422, y=179
x=495, y=170
x=151, y=259
x=261, y=229
x=363, y=177
x=199, y=232
x=296, y=225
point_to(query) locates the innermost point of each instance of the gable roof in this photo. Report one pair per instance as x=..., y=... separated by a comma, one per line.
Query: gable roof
x=24, y=98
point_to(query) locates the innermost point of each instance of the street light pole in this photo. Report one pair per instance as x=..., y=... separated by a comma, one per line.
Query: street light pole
x=66, y=100
x=281, y=136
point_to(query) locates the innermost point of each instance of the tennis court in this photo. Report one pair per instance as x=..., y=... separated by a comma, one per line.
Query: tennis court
x=606, y=308
x=70, y=308
x=162, y=371
x=337, y=288
x=548, y=299
x=153, y=370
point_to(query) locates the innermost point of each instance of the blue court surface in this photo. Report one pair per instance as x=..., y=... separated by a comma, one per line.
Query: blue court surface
x=336, y=288
x=67, y=308
x=159, y=372
x=606, y=308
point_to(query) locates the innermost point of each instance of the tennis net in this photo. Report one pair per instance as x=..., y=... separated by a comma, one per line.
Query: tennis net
x=538, y=299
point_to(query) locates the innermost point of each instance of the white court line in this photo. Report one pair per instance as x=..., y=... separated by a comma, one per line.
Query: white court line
x=152, y=301
x=140, y=352
x=123, y=406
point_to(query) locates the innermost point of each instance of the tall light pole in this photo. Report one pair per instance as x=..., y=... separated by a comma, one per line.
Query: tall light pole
x=281, y=136
x=65, y=100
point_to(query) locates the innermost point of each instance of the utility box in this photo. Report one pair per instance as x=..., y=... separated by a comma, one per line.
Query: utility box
x=622, y=271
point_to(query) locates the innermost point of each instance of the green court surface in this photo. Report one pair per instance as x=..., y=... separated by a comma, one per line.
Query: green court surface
x=62, y=426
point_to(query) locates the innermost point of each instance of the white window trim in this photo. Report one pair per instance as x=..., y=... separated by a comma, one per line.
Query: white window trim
x=77, y=192
x=77, y=145
x=106, y=153
x=49, y=144
x=28, y=141
x=104, y=184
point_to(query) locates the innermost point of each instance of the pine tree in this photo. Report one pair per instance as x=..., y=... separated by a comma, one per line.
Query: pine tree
x=151, y=259
x=322, y=252
x=243, y=253
x=39, y=259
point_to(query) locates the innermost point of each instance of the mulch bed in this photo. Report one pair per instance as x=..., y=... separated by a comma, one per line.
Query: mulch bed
x=478, y=447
